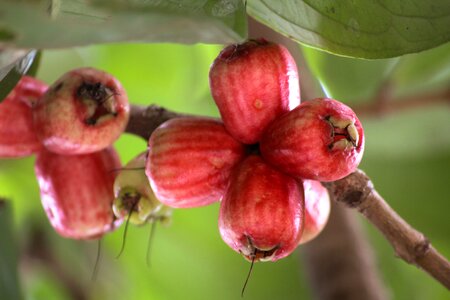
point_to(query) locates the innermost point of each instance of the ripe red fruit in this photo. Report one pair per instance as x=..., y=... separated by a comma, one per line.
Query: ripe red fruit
x=252, y=84
x=317, y=209
x=262, y=212
x=190, y=160
x=77, y=192
x=84, y=111
x=322, y=139
x=17, y=135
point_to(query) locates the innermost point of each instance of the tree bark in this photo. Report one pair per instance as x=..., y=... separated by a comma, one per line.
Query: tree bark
x=340, y=263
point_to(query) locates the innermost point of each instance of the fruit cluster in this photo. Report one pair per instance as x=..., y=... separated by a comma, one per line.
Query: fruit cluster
x=71, y=126
x=265, y=161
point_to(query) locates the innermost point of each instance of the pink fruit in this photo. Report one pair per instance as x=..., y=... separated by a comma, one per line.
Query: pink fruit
x=322, y=139
x=84, y=111
x=252, y=84
x=190, y=160
x=262, y=212
x=77, y=192
x=317, y=209
x=17, y=135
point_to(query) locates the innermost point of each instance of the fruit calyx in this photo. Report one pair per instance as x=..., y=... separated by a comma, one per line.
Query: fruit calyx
x=131, y=202
x=237, y=50
x=98, y=100
x=343, y=133
x=252, y=253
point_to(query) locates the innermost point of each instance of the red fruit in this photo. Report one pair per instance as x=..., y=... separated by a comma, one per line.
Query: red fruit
x=190, y=160
x=322, y=139
x=77, y=192
x=84, y=111
x=317, y=209
x=262, y=212
x=252, y=84
x=17, y=134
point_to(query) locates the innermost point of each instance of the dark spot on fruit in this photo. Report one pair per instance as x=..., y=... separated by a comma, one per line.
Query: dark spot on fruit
x=253, y=149
x=58, y=86
x=238, y=50
x=130, y=201
x=94, y=91
x=90, y=121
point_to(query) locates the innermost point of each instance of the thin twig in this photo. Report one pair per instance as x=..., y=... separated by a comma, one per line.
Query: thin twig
x=383, y=103
x=357, y=191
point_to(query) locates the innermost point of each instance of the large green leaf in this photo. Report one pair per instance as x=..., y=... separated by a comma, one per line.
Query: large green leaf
x=9, y=282
x=65, y=23
x=365, y=28
x=347, y=79
x=429, y=70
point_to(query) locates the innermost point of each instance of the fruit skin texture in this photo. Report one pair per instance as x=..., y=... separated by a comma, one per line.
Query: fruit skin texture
x=252, y=84
x=132, y=191
x=317, y=209
x=190, y=160
x=17, y=134
x=77, y=192
x=262, y=212
x=321, y=139
x=84, y=111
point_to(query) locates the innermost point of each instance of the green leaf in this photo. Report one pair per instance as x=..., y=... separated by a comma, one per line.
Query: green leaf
x=427, y=70
x=348, y=79
x=65, y=23
x=364, y=29
x=9, y=280
x=11, y=73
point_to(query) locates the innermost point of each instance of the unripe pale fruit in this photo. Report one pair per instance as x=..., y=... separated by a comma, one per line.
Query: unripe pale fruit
x=77, y=192
x=84, y=111
x=317, y=209
x=322, y=139
x=262, y=212
x=133, y=193
x=17, y=134
x=252, y=84
x=190, y=160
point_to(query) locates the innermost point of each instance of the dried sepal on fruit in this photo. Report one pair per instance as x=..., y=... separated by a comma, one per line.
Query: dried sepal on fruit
x=322, y=139
x=190, y=160
x=252, y=84
x=262, y=212
x=17, y=133
x=84, y=111
x=77, y=192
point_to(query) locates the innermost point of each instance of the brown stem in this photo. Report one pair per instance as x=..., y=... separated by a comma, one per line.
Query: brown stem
x=340, y=263
x=383, y=103
x=144, y=120
x=357, y=191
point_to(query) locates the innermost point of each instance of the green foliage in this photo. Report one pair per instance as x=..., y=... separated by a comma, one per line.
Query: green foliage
x=66, y=23
x=365, y=28
x=9, y=280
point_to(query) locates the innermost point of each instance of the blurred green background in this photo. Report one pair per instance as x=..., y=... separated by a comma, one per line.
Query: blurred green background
x=407, y=156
